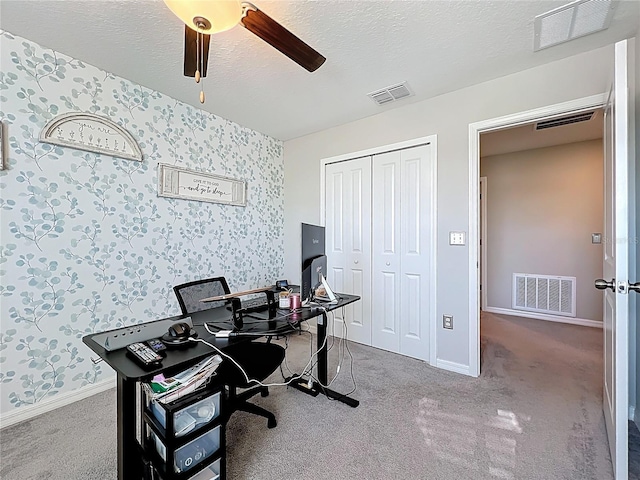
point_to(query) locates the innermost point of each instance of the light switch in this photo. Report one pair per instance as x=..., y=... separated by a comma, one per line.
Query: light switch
x=456, y=238
x=596, y=238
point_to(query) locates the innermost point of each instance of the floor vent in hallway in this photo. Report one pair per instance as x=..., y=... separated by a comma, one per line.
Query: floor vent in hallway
x=544, y=294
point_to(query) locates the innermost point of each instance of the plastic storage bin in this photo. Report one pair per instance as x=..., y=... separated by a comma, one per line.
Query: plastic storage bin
x=191, y=417
x=192, y=453
x=212, y=472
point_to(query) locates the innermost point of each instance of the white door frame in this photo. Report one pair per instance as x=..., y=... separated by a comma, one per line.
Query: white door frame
x=431, y=140
x=475, y=129
x=483, y=247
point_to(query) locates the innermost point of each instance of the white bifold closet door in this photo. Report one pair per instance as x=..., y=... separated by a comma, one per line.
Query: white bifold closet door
x=401, y=251
x=348, y=242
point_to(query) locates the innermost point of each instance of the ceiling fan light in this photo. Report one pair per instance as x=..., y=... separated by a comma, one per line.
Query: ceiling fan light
x=222, y=14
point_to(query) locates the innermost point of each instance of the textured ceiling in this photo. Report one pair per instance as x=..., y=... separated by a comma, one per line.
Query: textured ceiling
x=437, y=46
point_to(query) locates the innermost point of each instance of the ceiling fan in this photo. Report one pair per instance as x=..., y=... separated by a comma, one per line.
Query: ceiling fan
x=205, y=17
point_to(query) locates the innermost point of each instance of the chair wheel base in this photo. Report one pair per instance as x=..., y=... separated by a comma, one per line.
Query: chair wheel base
x=264, y=392
x=272, y=423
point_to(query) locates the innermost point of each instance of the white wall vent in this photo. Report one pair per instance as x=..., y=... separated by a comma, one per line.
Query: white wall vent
x=566, y=120
x=548, y=294
x=576, y=19
x=391, y=94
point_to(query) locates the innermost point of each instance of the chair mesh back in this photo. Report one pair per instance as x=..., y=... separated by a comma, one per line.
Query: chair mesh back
x=191, y=294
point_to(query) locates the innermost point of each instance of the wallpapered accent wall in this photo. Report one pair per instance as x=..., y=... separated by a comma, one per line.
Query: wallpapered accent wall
x=87, y=245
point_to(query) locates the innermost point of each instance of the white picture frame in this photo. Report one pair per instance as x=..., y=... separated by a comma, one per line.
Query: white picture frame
x=91, y=133
x=187, y=184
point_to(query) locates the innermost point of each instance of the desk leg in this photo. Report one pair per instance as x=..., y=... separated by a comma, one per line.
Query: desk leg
x=128, y=450
x=323, y=358
x=322, y=366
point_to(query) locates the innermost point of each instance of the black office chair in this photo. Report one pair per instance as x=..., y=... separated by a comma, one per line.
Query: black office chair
x=258, y=359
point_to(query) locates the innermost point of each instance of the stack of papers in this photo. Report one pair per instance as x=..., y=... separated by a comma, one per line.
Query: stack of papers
x=167, y=390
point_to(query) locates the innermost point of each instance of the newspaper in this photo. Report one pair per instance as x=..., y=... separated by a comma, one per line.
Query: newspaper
x=167, y=390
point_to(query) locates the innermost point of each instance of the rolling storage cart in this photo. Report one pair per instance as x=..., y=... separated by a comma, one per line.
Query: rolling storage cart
x=185, y=439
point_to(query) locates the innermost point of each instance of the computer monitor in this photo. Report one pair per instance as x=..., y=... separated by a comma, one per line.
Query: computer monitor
x=314, y=261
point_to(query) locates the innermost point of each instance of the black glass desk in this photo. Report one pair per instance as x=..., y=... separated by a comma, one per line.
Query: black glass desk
x=129, y=373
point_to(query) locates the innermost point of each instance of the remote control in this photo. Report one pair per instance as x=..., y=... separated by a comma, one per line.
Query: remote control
x=157, y=345
x=144, y=355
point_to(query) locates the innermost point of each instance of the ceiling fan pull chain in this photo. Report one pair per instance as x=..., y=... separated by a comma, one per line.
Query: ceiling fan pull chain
x=202, y=67
x=197, y=76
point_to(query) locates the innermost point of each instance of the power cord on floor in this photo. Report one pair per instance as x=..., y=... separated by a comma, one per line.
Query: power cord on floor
x=256, y=381
x=311, y=364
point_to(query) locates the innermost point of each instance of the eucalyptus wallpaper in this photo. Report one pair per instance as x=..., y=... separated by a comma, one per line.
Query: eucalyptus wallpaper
x=86, y=243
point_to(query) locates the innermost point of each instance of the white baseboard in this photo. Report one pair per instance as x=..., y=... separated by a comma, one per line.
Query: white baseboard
x=637, y=417
x=453, y=367
x=541, y=316
x=632, y=413
x=27, y=413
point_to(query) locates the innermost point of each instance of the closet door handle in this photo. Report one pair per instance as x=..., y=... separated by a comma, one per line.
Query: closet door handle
x=355, y=261
x=388, y=263
x=635, y=287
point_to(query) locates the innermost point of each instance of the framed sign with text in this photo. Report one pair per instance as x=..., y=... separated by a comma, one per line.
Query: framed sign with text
x=92, y=133
x=179, y=182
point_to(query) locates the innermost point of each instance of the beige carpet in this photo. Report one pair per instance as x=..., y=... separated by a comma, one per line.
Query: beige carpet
x=535, y=413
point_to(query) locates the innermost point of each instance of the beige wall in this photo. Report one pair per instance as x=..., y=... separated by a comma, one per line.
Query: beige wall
x=448, y=116
x=542, y=207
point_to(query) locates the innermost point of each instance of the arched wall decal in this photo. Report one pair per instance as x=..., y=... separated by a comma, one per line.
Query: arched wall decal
x=93, y=133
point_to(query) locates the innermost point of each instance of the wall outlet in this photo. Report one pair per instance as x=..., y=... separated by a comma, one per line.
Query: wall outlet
x=447, y=321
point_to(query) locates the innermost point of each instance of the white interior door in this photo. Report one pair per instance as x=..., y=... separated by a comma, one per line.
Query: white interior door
x=348, y=242
x=616, y=266
x=402, y=181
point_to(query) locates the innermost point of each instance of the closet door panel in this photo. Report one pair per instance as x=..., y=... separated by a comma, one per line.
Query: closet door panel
x=386, y=252
x=389, y=306
x=334, y=247
x=334, y=221
x=348, y=230
x=415, y=266
x=412, y=318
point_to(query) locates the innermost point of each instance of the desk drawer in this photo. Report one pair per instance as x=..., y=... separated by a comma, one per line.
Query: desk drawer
x=191, y=454
x=189, y=418
x=212, y=472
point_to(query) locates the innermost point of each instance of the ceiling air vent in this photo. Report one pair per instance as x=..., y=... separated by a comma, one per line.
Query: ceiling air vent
x=569, y=119
x=391, y=94
x=570, y=21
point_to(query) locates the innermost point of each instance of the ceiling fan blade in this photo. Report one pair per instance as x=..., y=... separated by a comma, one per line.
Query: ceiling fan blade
x=191, y=52
x=280, y=38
